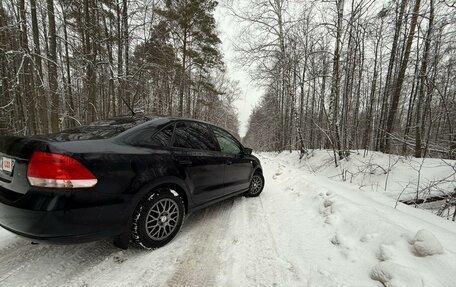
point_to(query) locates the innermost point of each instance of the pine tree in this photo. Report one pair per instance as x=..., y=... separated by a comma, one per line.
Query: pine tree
x=193, y=26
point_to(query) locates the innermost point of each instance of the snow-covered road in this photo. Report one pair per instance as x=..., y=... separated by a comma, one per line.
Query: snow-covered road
x=304, y=230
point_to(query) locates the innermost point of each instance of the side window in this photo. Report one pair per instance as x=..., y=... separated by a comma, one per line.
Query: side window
x=151, y=137
x=194, y=136
x=163, y=137
x=226, y=142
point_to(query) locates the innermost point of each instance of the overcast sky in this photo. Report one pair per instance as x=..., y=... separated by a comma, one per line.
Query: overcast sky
x=250, y=93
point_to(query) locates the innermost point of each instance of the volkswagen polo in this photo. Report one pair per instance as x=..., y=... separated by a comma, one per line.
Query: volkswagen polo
x=132, y=179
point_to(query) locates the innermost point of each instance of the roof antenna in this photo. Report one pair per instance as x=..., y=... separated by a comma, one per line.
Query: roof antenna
x=128, y=106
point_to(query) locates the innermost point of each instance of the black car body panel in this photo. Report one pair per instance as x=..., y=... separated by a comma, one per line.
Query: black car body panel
x=126, y=170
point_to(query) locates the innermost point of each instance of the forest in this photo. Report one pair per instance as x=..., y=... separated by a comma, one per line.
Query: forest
x=344, y=173
x=352, y=74
x=338, y=74
x=67, y=63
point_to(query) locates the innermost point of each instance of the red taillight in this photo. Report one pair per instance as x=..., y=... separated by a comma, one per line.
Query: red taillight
x=58, y=171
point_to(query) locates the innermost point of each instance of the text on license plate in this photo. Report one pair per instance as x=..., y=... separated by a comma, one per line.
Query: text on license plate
x=7, y=164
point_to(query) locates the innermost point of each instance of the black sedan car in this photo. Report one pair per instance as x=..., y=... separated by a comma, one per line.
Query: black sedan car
x=130, y=178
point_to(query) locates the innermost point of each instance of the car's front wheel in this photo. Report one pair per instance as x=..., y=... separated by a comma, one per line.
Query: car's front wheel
x=158, y=218
x=256, y=185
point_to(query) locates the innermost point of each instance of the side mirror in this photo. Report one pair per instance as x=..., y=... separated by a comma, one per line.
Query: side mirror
x=247, y=151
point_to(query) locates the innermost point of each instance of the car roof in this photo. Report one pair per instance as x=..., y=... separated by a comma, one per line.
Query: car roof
x=115, y=126
x=187, y=119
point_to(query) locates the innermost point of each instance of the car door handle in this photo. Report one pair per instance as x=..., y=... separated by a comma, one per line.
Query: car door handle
x=185, y=162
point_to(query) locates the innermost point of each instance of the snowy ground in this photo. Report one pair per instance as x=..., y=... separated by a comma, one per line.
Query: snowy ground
x=392, y=175
x=304, y=230
x=398, y=177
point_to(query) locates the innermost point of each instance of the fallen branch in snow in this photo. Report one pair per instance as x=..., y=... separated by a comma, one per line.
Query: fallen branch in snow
x=400, y=195
x=430, y=192
x=449, y=206
x=379, y=166
x=429, y=199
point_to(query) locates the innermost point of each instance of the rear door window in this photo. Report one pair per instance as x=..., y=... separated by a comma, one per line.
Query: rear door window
x=163, y=137
x=150, y=137
x=193, y=135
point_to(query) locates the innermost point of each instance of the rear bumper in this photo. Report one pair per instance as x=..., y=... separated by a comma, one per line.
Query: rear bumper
x=64, y=226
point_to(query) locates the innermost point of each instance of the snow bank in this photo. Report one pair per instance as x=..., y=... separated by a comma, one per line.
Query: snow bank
x=398, y=177
x=400, y=264
x=362, y=240
x=425, y=244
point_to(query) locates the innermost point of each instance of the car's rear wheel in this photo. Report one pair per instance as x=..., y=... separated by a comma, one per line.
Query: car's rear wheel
x=158, y=218
x=256, y=185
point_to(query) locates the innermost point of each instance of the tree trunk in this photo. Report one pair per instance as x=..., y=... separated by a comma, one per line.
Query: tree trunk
x=383, y=112
x=183, y=75
x=89, y=11
x=335, y=83
x=28, y=78
x=419, y=122
x=369, y=117
x=52, y=68
x=400, y=78
x=126, y=49
x=72, y=111
x=43, y=102
x=120, y=75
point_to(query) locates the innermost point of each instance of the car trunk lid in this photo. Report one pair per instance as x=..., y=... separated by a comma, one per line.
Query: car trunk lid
x=15, y=153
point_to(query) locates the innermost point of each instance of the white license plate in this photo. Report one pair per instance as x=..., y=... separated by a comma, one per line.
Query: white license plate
x=7, y=164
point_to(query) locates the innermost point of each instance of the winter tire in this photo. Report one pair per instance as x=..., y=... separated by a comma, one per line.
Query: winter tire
x=158, y=218
x=256, y=185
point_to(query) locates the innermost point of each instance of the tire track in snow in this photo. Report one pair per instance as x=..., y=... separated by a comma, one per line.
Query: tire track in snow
x=252, y=256
x=199, y=265
x=266, y=267
x=190, y=259
x=44, y=265
x=296, y=273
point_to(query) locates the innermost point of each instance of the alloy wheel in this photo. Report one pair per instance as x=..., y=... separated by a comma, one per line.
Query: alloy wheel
x=162, y=219
x=256, y=185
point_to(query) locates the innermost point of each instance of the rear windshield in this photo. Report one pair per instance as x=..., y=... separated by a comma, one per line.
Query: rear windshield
x=98, y=130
